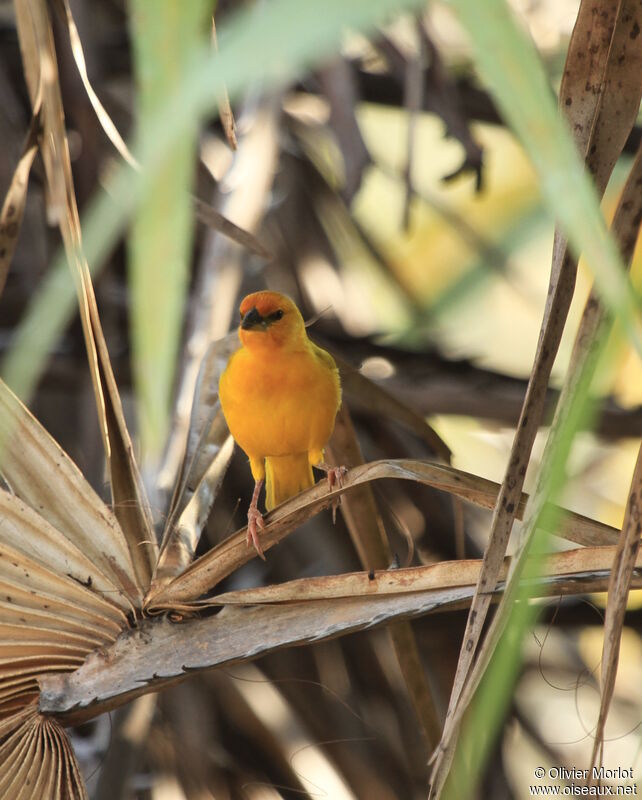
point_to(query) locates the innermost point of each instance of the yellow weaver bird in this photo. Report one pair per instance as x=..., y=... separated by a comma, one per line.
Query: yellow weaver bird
x=280, y=394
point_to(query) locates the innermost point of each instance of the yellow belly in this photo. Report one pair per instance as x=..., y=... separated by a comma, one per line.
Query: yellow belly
x=281, y=405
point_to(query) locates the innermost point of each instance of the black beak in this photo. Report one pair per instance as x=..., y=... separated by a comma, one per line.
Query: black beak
x=253, y=320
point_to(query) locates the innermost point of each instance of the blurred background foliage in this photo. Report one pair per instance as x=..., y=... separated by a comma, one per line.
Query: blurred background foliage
x=403, y=212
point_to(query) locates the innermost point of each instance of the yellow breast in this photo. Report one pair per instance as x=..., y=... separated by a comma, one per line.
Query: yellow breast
x=280, y=403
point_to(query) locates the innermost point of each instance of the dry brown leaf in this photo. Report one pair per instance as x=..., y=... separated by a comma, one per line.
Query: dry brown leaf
x=601, y=152
x=159, y=653
x=131, y=506
x=24, y=647
x=40, y=473
x=15, y=614
x=624, y=562
x=79, y=57
x=625, y=227
x=22, y=572
x=368, y=534
x=60, y=612
x=66, y=583
x=446, y=574
x=203, y=416
x=359, y=507
x=13, y=666
x=130, y=503
x=52, y=616
x=31, y=535
x=36, y=760
x=619, y=89
x=14, y=633
x=17, y=686
x=205, y=213
x=584, y=354
x=9, y=724
x=207, y=455
x=581, y=96
x=186, y=528
x=203, y=575
x=15, y=200
x=49, y=622
x=51, y=767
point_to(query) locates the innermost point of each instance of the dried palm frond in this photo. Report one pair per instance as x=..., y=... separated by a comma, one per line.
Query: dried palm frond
x=95, y=612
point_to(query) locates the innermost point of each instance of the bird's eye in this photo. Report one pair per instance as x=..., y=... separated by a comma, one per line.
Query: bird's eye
x=278, y=314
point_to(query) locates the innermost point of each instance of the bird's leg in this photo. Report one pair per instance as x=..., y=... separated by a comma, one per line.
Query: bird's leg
x=335, y=477
x=255, y=523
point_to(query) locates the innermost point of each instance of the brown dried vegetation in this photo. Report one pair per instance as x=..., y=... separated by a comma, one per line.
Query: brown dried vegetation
x=100, y=606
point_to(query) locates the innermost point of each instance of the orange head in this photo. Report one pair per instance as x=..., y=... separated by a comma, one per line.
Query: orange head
x=270, y=319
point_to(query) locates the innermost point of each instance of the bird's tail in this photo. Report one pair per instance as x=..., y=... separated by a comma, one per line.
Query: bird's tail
x=286, y=476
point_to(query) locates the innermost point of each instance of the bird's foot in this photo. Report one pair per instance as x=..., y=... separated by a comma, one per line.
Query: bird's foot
x=255, y=524
x=335, y=476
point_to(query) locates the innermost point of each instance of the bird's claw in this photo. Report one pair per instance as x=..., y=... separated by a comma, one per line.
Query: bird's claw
x=255, y=524
x=335, y=477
